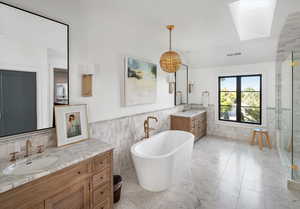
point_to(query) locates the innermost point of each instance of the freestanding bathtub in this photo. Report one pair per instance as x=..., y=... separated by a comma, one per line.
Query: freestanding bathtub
x=162, y=159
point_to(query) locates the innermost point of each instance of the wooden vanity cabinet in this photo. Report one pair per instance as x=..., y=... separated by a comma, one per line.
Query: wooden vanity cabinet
x=86, y=185
x=195, y=125
x=75, y=197
x=38, y=206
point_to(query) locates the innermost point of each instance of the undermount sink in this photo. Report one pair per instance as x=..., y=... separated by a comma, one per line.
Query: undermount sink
x=27, y=166
x=190, y=112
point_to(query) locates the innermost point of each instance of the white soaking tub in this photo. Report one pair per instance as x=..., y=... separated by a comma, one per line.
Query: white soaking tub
x=162, y=159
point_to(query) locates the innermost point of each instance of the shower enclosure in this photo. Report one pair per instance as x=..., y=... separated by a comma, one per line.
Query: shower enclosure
x=288, y=110
x=295, y=144
x=288, y=97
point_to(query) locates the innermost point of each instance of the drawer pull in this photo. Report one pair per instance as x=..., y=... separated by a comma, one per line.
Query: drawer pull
x=102, y=192
x=79, y=172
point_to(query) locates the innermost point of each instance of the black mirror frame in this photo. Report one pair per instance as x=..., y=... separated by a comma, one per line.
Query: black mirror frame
x=187, y=83
x=68, y=57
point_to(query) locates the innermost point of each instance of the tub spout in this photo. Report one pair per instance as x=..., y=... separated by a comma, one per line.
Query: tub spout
x=146, y=125
x=152, y=117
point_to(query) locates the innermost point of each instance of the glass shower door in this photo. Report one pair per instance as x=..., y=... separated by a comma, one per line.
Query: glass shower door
x=285, y=116
x=296, y=116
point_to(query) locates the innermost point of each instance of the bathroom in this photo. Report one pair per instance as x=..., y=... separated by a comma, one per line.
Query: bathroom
x=92, y=48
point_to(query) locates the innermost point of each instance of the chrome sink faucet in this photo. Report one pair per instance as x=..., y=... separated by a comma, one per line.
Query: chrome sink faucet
x=147, y=129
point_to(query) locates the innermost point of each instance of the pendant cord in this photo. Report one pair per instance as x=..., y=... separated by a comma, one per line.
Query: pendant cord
x=170, y=40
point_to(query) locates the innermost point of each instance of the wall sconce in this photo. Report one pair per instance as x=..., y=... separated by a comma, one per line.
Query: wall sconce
x=171, y=81
x=88, y=71
x=191, y=85
x=87, y=85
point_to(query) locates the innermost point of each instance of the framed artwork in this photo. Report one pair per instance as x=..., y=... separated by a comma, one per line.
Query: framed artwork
x=71, y=124
x=140, y=82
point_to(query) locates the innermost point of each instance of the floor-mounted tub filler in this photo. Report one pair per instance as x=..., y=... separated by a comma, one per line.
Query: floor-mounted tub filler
x=162, y=159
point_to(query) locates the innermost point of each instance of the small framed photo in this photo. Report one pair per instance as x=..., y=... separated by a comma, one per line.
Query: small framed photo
x=71, y=124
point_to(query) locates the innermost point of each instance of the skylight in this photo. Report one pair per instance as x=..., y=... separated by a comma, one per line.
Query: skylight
x=253, y=18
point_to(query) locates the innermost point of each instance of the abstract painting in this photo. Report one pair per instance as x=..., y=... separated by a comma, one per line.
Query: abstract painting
x=140, y=82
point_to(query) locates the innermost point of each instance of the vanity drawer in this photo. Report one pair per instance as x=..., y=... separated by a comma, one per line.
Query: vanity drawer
x=101, y=194
x=77, y=172
x=104, y=205
x=100, y=178
x=100, y=162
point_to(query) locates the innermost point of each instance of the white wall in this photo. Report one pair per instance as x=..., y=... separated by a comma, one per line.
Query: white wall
x=111, y=35
x=207, y=80
x=100, y=36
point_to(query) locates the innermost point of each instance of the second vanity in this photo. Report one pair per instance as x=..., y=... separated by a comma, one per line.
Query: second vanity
x=193, y=121
x=79, y=176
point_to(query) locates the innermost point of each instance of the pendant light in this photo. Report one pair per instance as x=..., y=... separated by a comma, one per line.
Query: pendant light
x=170, y=61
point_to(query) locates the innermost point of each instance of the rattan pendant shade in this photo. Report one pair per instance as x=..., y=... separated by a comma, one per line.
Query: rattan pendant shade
x=170, y=61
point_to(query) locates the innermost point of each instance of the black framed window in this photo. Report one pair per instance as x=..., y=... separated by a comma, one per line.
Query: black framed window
x=240, y=98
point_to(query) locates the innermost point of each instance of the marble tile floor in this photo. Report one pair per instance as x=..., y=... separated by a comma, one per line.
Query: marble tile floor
x=225, y=174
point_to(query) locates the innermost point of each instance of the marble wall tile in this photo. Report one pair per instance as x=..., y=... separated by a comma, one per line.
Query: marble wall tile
x=231, y=131
x=8, y=146
x=122, y=133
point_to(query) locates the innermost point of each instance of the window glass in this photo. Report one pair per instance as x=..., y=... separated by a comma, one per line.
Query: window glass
x=228, y=98
x=240, y=99
x=228, y=113
x=250, y=114
x=251, y=99
x=250, y=83
x=228, y=83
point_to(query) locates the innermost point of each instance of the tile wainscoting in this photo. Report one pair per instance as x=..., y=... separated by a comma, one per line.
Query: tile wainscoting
x=124, y=132
x=238, y=132
x=121, y=133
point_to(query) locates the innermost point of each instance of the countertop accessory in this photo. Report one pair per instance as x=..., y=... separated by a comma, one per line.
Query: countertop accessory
x=71, y=124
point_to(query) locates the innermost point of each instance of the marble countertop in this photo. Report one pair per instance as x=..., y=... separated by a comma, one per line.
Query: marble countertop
x=67, y=156
x=189, y=113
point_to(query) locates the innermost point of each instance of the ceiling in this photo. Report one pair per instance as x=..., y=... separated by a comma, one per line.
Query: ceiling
x=205, y=31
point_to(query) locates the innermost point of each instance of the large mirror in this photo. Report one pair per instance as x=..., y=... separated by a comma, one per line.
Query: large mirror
x=181, y=85
x=34, y=63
